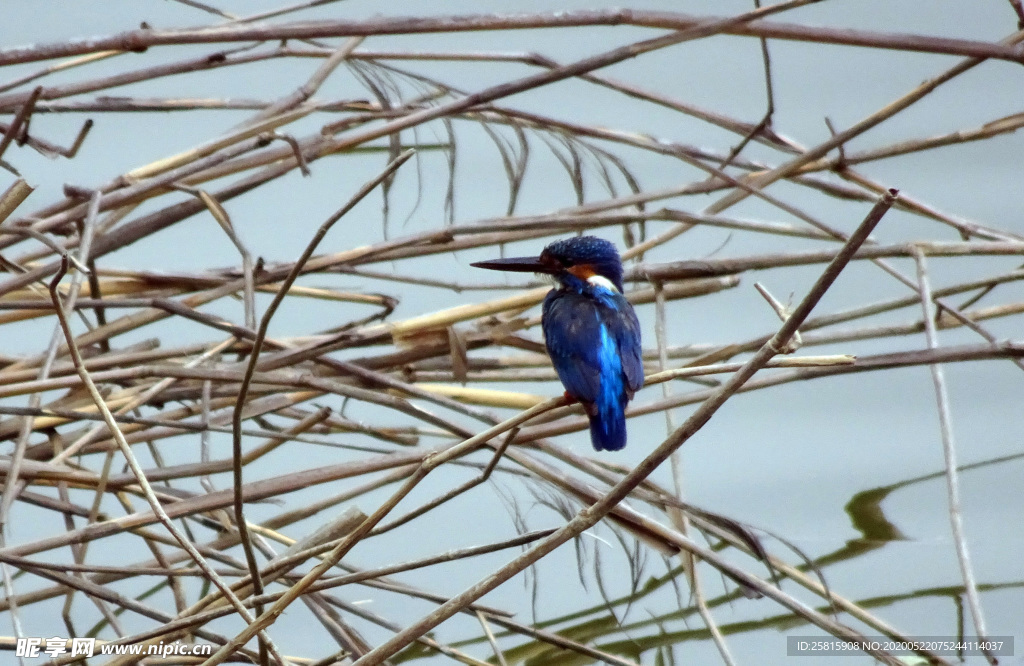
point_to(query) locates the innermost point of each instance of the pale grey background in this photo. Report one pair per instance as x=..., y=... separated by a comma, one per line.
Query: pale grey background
x=787, y=459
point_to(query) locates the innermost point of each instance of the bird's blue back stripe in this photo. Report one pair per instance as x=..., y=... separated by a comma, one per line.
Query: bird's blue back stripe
x=611, y=374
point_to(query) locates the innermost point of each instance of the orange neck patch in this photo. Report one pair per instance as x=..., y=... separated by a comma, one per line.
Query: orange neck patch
x=587, y=273
x=583, y=271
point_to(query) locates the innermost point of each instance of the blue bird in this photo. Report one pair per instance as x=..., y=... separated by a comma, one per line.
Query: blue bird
x=590, y=330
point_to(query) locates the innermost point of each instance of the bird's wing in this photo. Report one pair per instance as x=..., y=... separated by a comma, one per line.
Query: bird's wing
x=572, y=331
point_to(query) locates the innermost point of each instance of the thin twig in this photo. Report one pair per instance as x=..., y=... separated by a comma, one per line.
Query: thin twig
x=236, y=422
x=950, y=456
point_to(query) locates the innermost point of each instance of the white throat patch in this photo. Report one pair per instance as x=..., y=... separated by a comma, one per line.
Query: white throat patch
x=603, y=282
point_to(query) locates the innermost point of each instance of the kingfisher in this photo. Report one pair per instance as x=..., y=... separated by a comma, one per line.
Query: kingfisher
x=590, y=330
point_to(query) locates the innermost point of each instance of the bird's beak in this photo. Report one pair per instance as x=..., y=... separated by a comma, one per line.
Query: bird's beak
x=515, y=264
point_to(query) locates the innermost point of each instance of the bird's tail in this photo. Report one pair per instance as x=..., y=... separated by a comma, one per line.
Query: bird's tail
x=608, y=427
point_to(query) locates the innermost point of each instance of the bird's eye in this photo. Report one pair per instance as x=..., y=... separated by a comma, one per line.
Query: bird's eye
x=552, y=260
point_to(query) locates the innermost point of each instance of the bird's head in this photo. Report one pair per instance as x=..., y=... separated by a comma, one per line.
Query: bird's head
x=586, y=258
